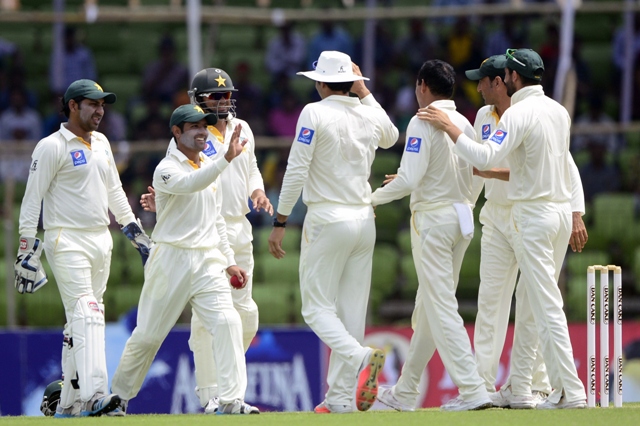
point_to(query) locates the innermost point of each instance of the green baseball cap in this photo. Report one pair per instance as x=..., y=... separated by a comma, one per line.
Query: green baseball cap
x=191, y=114
x=88, y=89
x=526, y=62
x=493, y=66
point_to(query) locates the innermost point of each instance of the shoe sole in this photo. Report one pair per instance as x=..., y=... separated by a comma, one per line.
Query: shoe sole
x=482, y=406
x=368, y=391
x=523, y=406
x=112, y=405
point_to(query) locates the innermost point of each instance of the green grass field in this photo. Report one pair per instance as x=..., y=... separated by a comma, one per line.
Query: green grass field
x=628, y=415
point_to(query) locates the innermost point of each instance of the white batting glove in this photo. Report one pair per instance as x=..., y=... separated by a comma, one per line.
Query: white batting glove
x=29, y=275
x=138, y=238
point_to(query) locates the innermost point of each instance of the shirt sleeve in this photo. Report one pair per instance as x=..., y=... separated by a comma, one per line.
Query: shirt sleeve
x=169, y=178
x=577, y=193
x=389, y=130
x=117, y=199
x=221, y=226
x=495, y=149
x=413, y=166
x=298, y=164
x=44, y=166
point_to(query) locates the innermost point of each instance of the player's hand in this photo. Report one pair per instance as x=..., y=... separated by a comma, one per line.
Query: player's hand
x=579, y=234
x=139, y=239
x=235, y=146
x=29, y=275
x=239, y=273
x=359, y=87
x=387, y=179
x=261, y=202
x=275, y=242
x=148, y=201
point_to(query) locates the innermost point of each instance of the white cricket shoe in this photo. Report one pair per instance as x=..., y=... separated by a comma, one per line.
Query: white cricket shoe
x=386, y=396
x=562, y=404
x=539, y=397
x=237, y=407
x=501, y=399
x=73, y=411
x=212, y=406
x=459, y=404
x=326, y=408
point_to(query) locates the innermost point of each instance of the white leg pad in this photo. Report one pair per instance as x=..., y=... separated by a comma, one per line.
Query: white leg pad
x=68, y=394
x=87, y=332
x=201, y=344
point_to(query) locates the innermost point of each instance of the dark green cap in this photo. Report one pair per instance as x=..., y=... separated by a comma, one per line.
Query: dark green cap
x=526, y=62
x=191, y=114
x=88, y=89
x=493, y=66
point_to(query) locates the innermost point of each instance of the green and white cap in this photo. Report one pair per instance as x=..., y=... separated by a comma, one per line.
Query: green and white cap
x=493, y=66
x=88, y=89
x=526, y=62
x=191, y=114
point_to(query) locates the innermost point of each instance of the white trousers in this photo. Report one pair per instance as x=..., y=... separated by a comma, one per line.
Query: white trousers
x=80, y=261
x=335, y=280
x=173, y=278
x=201, y=344
x=498, y=272
x=438, y=250
x=541, y=234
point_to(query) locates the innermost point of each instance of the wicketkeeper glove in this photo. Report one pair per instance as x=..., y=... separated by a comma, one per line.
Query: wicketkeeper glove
x=139, y=239
x=29, y=275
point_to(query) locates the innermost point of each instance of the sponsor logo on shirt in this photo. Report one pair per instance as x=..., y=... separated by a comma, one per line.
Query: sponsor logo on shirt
x=413, y=144
x=34, y=166
x=498, y=136
x=305, y=135
x=209, y=149
x=165, y=178
x=486, y=131
x=78, y=158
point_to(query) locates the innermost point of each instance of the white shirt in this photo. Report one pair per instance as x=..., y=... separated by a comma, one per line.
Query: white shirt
x=496, y=190
x=331, y=155
x=429, y=170
x=188, y=204
x=533, y=135
x=242, y=177
x=78, y=181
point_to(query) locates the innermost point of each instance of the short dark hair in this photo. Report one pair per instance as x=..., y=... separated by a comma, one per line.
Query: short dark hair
x=526, y=81
x=343, y=87
x=439, y=77
x=65, y=105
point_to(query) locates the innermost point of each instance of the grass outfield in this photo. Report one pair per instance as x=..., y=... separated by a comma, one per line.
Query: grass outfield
x=628, y=415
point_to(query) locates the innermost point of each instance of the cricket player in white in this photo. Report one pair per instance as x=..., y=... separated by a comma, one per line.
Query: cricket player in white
x=330, y=161
x=212, y=89
x=74, y=172
x=441, y=230
x=188, y=262
x=533, y=135
x=498, y=266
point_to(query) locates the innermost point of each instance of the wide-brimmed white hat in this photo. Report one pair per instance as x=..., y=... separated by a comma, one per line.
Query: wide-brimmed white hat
x=332, y=67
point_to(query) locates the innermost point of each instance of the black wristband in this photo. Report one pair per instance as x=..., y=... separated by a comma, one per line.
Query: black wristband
x=277, y=224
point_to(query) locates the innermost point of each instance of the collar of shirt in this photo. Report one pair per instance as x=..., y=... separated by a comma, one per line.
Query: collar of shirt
x=444, y=104
x=525, y=92
x=340, y=98
x=69, y=135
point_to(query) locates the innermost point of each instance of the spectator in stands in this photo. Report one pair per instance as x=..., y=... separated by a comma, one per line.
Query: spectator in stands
x=330, y=37
x=249, y=98
x=549, y=52
x=19, y=122
x=414, y=49
x=51, y=123
x=283, y=118
x=114, y=126
x=77, y=63
x=153, y=125
x=598, y=176
x=383, y=49
x=618, y=48
x=506, y=36
x=165, y=76
x=595, y=114
x=285, y=52
x=463, y=48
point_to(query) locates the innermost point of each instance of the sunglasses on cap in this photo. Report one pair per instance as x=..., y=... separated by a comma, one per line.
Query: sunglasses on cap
x=510, y=53
x=216, y=96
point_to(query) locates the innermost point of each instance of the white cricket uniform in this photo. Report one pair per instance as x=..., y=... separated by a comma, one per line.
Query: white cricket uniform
x=79, y=184
x=498, y=271
x=533, y=136
x=330, y=162
x=237, y=183
x=186, y=265
x=436, y=180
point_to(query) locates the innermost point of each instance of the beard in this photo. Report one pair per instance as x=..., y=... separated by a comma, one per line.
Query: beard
x=511, y=88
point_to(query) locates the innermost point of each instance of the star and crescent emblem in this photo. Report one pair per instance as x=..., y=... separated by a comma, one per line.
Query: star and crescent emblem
x=221, y=81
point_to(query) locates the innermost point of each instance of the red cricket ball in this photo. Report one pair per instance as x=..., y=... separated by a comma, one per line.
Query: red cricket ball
x=235, y=282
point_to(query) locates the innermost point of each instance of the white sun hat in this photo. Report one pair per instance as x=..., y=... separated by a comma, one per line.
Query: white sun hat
x=332, y=67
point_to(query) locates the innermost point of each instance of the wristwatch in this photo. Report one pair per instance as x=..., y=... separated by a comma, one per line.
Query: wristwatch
x=277, y=224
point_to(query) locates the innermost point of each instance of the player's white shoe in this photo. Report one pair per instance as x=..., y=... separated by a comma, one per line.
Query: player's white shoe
x=539, y=397
x=325, y=408
x=501, y=398
x=459, y=404
x=562, y=404
x=212, y=406
x=504, y=398
x=237, y=407
x=73, y=411
x=386, y=396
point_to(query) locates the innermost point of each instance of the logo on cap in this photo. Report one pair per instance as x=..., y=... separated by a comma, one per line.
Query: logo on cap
x=197, y=108
x=78, y=158
x=486, y=131
x=305, y=135
x=498, y=136
x=221, y=81
x=413, y=144
x=98, y=87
